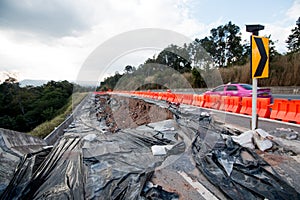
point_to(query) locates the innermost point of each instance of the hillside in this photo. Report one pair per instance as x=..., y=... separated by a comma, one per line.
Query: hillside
x=283, y=71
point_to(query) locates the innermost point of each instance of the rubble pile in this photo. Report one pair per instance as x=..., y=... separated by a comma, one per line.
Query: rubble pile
x=237, y=170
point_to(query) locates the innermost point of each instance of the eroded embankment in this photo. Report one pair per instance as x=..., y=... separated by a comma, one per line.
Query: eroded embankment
x=120, y=112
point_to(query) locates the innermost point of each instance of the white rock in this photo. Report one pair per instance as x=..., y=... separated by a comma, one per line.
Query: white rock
x=90, y=137
x=245, y=139
x=264, y=134
x=262, y=143
x=160, y=150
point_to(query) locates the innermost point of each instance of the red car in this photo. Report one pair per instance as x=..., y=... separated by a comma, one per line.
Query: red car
x=238, y=89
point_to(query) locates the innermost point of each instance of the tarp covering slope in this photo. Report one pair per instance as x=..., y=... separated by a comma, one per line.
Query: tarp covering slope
x=13, y=146
x=89, y=167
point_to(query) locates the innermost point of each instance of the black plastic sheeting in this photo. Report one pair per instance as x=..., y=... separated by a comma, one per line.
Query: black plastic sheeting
x=237, y=171
x=13, y=146
x=90, y=167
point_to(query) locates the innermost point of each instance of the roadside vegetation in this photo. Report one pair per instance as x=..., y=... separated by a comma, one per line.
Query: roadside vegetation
x=24, y=108
x=223, y=49
x=284, y=70
x=47, y=127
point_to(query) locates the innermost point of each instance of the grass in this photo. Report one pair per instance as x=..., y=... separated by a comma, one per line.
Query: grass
x=47, y=127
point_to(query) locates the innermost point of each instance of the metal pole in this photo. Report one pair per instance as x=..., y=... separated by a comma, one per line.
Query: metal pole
x=254, y=30
x=254, y=99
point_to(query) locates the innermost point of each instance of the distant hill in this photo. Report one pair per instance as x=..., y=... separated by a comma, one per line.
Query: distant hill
x=35, y=83
x=86, y=83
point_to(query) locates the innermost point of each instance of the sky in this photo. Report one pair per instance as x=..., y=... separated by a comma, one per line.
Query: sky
x=51, y=40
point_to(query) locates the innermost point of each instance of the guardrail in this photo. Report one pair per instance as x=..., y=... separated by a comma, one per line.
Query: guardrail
x=59, y=131
x=281, y=109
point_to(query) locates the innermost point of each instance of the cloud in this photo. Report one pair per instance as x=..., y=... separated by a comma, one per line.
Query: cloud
x=54, y=18
x=51, y=39
x=59, y=18
x=281, y=29
x=293, y=12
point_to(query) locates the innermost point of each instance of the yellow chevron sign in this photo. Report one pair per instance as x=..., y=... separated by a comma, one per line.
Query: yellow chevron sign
x=259, y=57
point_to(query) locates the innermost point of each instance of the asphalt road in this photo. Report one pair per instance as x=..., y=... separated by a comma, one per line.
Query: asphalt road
x=286, y=96
x=244, y=122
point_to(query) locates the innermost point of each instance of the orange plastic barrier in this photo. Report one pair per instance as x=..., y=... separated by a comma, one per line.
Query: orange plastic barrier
x=207, y=101
x=223, y=102
x=132, y=93
x=154, y=95
x=230, y=104
x=297, y=116
x=148, y=95
x=227, y=103
x=145, y=94
x=201, y=99
x=215, y=101
x=246, y=106
x=279, y=109
x=160, y=95
x=263, y=107
x=100, y=93
x=283, y=109
x=293, y=111
x=187, y=99
x=198, y=100
x=151, y=95
x=171, y=97
x=212, y=101
x=234, y=104
x=178, y=98
x=195, y=100
x=138, y=93
x=165, y=96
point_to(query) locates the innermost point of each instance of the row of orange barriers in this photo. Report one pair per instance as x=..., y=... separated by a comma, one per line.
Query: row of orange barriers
x=286, y=110
x=281, y=109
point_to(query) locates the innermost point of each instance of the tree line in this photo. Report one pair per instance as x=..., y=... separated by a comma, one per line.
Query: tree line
x=23, y=108
x=222, y=49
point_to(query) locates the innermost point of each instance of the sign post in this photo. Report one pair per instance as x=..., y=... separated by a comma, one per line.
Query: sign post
x=254, y=104
x=259, y=64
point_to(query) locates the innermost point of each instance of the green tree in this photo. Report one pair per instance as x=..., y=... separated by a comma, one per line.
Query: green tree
x=198, y=55
x=110, y=82
x=224, y=45
x=273, y=53
x=23, y=108
x=175, y=57
x=128, y=68
x=293, y=41
x=198, y=81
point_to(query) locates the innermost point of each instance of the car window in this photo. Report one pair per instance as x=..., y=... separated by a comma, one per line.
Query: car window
x=232, y=88
x=218, y=89
x=247, y=87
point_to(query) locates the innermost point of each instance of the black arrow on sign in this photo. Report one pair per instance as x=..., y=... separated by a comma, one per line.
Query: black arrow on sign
x=263, y=57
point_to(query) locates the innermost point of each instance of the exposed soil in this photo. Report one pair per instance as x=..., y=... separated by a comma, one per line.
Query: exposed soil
x=273, y=159
x=120, y=112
